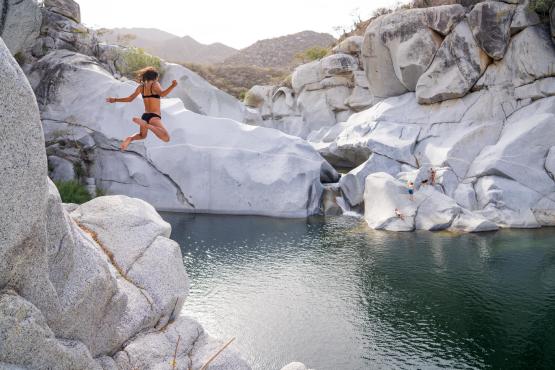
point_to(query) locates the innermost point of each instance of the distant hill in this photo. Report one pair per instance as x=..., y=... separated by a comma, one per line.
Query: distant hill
x=279, y=52
x=168, y=46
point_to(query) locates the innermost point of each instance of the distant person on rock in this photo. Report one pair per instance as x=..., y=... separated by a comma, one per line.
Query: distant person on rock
x=151, y=92
x=410, y=186
x=433, y=176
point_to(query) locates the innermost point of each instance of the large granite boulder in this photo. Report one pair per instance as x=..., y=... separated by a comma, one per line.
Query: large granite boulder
x=266, y=171
x=67, y=8
x=389, y=206
x=490, y=23
x=457, y=66
x=529, y=57
x=352, y=183
x=23, y=191
x=399, y=47
x=20, y=23
x=199, y=96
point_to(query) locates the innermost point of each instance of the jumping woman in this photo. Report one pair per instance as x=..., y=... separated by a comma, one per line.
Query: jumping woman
x=151, y=92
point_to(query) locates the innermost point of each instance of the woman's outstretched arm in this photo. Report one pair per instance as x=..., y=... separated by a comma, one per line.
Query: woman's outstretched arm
x=166, y=92
x=129, y=99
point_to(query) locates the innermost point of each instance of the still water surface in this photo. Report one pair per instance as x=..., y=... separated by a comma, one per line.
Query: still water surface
x=335, y=295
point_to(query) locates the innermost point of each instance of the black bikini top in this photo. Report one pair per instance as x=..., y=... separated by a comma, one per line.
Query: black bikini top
x=155, y=96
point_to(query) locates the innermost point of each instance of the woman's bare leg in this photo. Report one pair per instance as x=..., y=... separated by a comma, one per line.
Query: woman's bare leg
x=156, y=127
x=143, y=133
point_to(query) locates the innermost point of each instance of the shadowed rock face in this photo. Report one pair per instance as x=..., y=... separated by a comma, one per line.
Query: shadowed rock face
x=490, y=23
x=552, y=21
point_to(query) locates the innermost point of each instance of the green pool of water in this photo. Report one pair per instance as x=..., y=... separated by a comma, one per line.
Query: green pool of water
x=335, y=295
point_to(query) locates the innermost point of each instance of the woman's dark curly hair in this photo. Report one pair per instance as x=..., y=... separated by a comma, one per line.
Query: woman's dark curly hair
x=147, y=74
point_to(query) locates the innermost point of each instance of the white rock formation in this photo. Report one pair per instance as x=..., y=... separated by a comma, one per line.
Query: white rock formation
x=266, y=171
x=323, y=93
x=199, y=96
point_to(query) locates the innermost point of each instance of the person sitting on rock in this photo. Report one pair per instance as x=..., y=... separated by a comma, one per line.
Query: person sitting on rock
x=151, y=92
x=410, y=187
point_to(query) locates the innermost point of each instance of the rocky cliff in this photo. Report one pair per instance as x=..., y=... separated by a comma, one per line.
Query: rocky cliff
x=467, y=92
x=97, y=286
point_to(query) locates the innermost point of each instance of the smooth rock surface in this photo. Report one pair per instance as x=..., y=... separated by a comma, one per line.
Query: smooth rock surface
x=199, y=96
x=457, y=65
x=507, y=157
x=352, y=184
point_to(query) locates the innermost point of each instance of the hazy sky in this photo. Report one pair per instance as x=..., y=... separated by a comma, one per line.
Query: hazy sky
x=235, y=23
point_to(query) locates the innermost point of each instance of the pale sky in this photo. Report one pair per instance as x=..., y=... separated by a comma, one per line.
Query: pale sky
x=235, y=23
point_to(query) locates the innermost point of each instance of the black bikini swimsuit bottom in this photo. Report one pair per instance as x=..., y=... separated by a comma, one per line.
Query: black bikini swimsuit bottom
x=148, y=116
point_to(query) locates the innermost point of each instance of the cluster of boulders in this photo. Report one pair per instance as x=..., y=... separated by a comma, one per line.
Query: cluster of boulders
x=467, y=92
x=322, y=93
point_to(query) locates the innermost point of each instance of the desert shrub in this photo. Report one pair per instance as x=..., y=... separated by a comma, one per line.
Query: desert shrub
x=73, y=192
x=100, y=192
x=252, y=100
x=135, y=59
x=312, y=54
x=79, y=170
x=542, y=7
x=19, y=58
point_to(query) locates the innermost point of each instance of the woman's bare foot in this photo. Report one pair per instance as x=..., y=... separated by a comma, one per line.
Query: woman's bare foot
x=125, y=143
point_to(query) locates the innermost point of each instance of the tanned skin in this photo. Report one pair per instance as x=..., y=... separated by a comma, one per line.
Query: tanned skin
x=152, y=105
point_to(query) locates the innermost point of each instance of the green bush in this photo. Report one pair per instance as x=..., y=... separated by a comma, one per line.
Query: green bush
x=73, y=192
x=135, y=59
x=312, y=54
x=542, y=8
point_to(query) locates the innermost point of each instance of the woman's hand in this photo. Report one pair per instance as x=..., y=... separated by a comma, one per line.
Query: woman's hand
x=110, y=100
x=174, y=83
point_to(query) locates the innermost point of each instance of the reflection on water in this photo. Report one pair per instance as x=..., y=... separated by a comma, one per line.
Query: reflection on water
x=335, y=295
